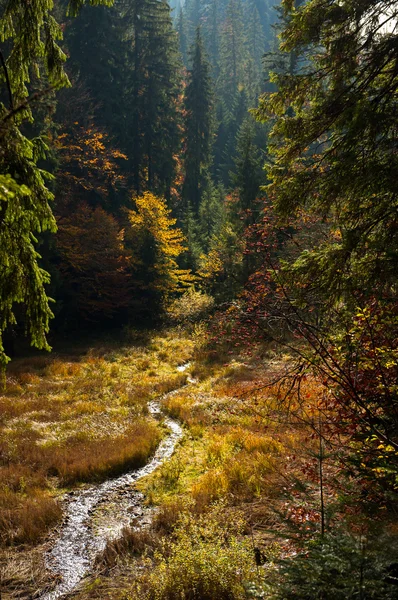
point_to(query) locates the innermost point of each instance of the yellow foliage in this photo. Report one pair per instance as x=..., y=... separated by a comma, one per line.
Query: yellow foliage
x=156, y=244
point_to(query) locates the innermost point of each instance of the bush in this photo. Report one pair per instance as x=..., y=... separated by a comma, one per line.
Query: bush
x=206, y=561
x=191, y=306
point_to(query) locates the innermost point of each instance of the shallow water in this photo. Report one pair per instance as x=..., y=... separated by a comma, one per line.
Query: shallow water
x=98, y=514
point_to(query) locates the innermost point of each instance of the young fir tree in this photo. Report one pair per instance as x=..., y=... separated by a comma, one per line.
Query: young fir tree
x=248, y=174
x=198, y=127
x=99, y=61
x=230, y=118
x=255, y=45
x=193, y=10
x=211, y=35
x=233, y=54
x=231, y=88
x=211, y=215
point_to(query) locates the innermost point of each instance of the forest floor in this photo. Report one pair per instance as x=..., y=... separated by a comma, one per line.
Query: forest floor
x=241, y=490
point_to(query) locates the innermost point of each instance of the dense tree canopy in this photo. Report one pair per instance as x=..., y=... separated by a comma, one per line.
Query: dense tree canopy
x=31, y=35
x=334, y=137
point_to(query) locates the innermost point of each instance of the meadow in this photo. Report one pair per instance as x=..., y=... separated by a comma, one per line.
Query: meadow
x=234, y=494
x=251, y=485
x=68, y=418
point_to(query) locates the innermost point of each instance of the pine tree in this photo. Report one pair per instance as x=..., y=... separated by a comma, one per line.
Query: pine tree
x=255, y=44
x=193, y=13
x=233, y=59
x=128, y=60
x=211, y=215
x=211, y=34
x=333, y=142
x=231, y=88
x=198, y=126
x=99, y=60
x=182, y=35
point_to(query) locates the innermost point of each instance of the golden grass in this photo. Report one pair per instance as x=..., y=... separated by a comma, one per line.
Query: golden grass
x=68, y=421
x=249, y=454
x=23, y=575
x=78, y=418
x=241, y=435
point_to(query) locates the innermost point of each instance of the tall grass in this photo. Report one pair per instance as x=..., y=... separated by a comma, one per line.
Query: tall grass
x=78, y=418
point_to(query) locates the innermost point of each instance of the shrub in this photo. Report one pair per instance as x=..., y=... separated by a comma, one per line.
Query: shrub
x=206, y=561
x=191, y=306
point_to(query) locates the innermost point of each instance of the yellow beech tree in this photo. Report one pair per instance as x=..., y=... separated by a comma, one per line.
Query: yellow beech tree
x=155, y=243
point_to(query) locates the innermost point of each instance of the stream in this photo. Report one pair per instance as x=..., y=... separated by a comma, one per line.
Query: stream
x=99, y=513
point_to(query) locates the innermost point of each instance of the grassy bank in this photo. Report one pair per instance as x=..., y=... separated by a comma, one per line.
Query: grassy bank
x=73, y=417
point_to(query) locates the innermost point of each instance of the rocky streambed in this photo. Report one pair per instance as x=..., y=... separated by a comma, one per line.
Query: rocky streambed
x=98, y=514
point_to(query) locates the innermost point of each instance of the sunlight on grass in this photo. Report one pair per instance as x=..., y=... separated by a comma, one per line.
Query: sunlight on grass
x=70, y=419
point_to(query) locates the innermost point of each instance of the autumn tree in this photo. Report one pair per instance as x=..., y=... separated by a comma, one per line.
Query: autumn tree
x=89, y=169
x=93, y=264
x=328, y=245
x=155, y=245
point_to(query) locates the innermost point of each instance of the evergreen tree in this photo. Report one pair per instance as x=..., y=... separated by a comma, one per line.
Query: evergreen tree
x=152, y=132
x=193, y=12
x=30, y=35
x=128, y=60
x=333, y=142
x=233, y=53
x=211, y=215
x=248, y=174
x=198, y=127
x=231, y=88
x=255, y=44
x=211, y=34
x=230, y=119
x=99, y=61
x=182, y=36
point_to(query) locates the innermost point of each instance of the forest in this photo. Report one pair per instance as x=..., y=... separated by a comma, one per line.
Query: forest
x=198, y=299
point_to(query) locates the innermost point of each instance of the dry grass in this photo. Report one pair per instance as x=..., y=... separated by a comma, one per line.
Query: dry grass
x=246, y=445
x=78, y=418
x=246, y=451
x=23, y=575
x=67, y=421
x=249, y=455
